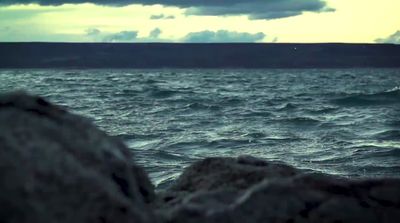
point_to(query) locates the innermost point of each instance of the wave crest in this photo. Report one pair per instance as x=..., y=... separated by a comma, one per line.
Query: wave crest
x=391, y=96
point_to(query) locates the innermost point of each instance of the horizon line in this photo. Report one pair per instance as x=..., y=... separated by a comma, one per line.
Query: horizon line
x=211, y=43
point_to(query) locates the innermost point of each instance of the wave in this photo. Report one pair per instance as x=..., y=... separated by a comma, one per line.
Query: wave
x=252, y=113
x=375, y=152
x=287, y=107
x=159, y=93
x=332, y=159
x=393, y=123
x=319, y=111
x=281, y=139
x=391, y=96
x=300, y=121
x=133, y=136
x=165, y=155
x=129, y=92
x=359, y=156
x=255, y=135
x=228, y=143
x=201, y=106
x=230, y=101
x=388, y=135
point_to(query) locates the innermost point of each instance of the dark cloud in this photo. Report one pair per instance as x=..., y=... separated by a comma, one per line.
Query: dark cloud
x=255, y=9
x=222, y=36
x=394, y=38
x=258, y=9
x=155, y=33
x=123, y=36
x=162, y=16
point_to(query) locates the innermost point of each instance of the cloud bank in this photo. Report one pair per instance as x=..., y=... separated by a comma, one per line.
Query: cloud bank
x=161, y=16
x=92, y=32
x=155, y=33
x=222, y=36
x=206, y=36
x=97, y=35
x=394, y=38
x=123, y=36
x=254, y=9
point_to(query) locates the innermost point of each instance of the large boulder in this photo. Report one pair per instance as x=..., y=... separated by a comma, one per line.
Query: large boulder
x=246, y=189
x=233, y=173
x=58, y=167
x=225, y=175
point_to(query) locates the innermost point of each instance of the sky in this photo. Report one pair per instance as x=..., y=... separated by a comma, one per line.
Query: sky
x=301, y=21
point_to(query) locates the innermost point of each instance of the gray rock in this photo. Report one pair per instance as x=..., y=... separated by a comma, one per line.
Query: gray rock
x=58, y=167
x=246, y=189
x=224, y=175
x=240, y=173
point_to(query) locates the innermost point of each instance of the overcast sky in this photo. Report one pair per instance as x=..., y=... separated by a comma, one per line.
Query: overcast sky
x=364, y=21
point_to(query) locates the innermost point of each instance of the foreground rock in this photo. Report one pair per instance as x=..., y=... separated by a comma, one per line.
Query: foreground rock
x=246, y=189
x=57, y=167
x=230, y=173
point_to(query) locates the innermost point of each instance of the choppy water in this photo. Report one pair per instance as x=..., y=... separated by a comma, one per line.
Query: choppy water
x=344, y=122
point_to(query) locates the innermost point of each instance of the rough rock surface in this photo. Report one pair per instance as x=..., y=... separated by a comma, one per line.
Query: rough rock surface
x=222, y=175
x=246, y=189
x=240, y=173
x=57, y=167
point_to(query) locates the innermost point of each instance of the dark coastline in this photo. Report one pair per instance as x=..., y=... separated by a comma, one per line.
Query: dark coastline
x=198, y=55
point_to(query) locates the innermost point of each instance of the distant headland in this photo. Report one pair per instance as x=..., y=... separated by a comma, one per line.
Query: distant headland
x=198, y=55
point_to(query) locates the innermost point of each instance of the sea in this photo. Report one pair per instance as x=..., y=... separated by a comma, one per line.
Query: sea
x=338, y=121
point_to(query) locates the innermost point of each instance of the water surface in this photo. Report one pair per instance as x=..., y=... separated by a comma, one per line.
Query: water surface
x=338, y=121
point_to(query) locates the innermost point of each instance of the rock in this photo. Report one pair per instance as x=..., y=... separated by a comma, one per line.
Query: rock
x=240, y=173
x=226, y=174
x=247, y=189
x=58, y=167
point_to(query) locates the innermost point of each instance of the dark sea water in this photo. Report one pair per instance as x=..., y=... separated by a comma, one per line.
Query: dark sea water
x=344, y=122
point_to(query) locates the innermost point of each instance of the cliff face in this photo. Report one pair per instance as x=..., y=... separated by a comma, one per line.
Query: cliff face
x=58, y=167
x=217, y=55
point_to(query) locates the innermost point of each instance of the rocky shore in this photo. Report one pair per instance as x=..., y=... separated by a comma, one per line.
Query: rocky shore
x=58, y=167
